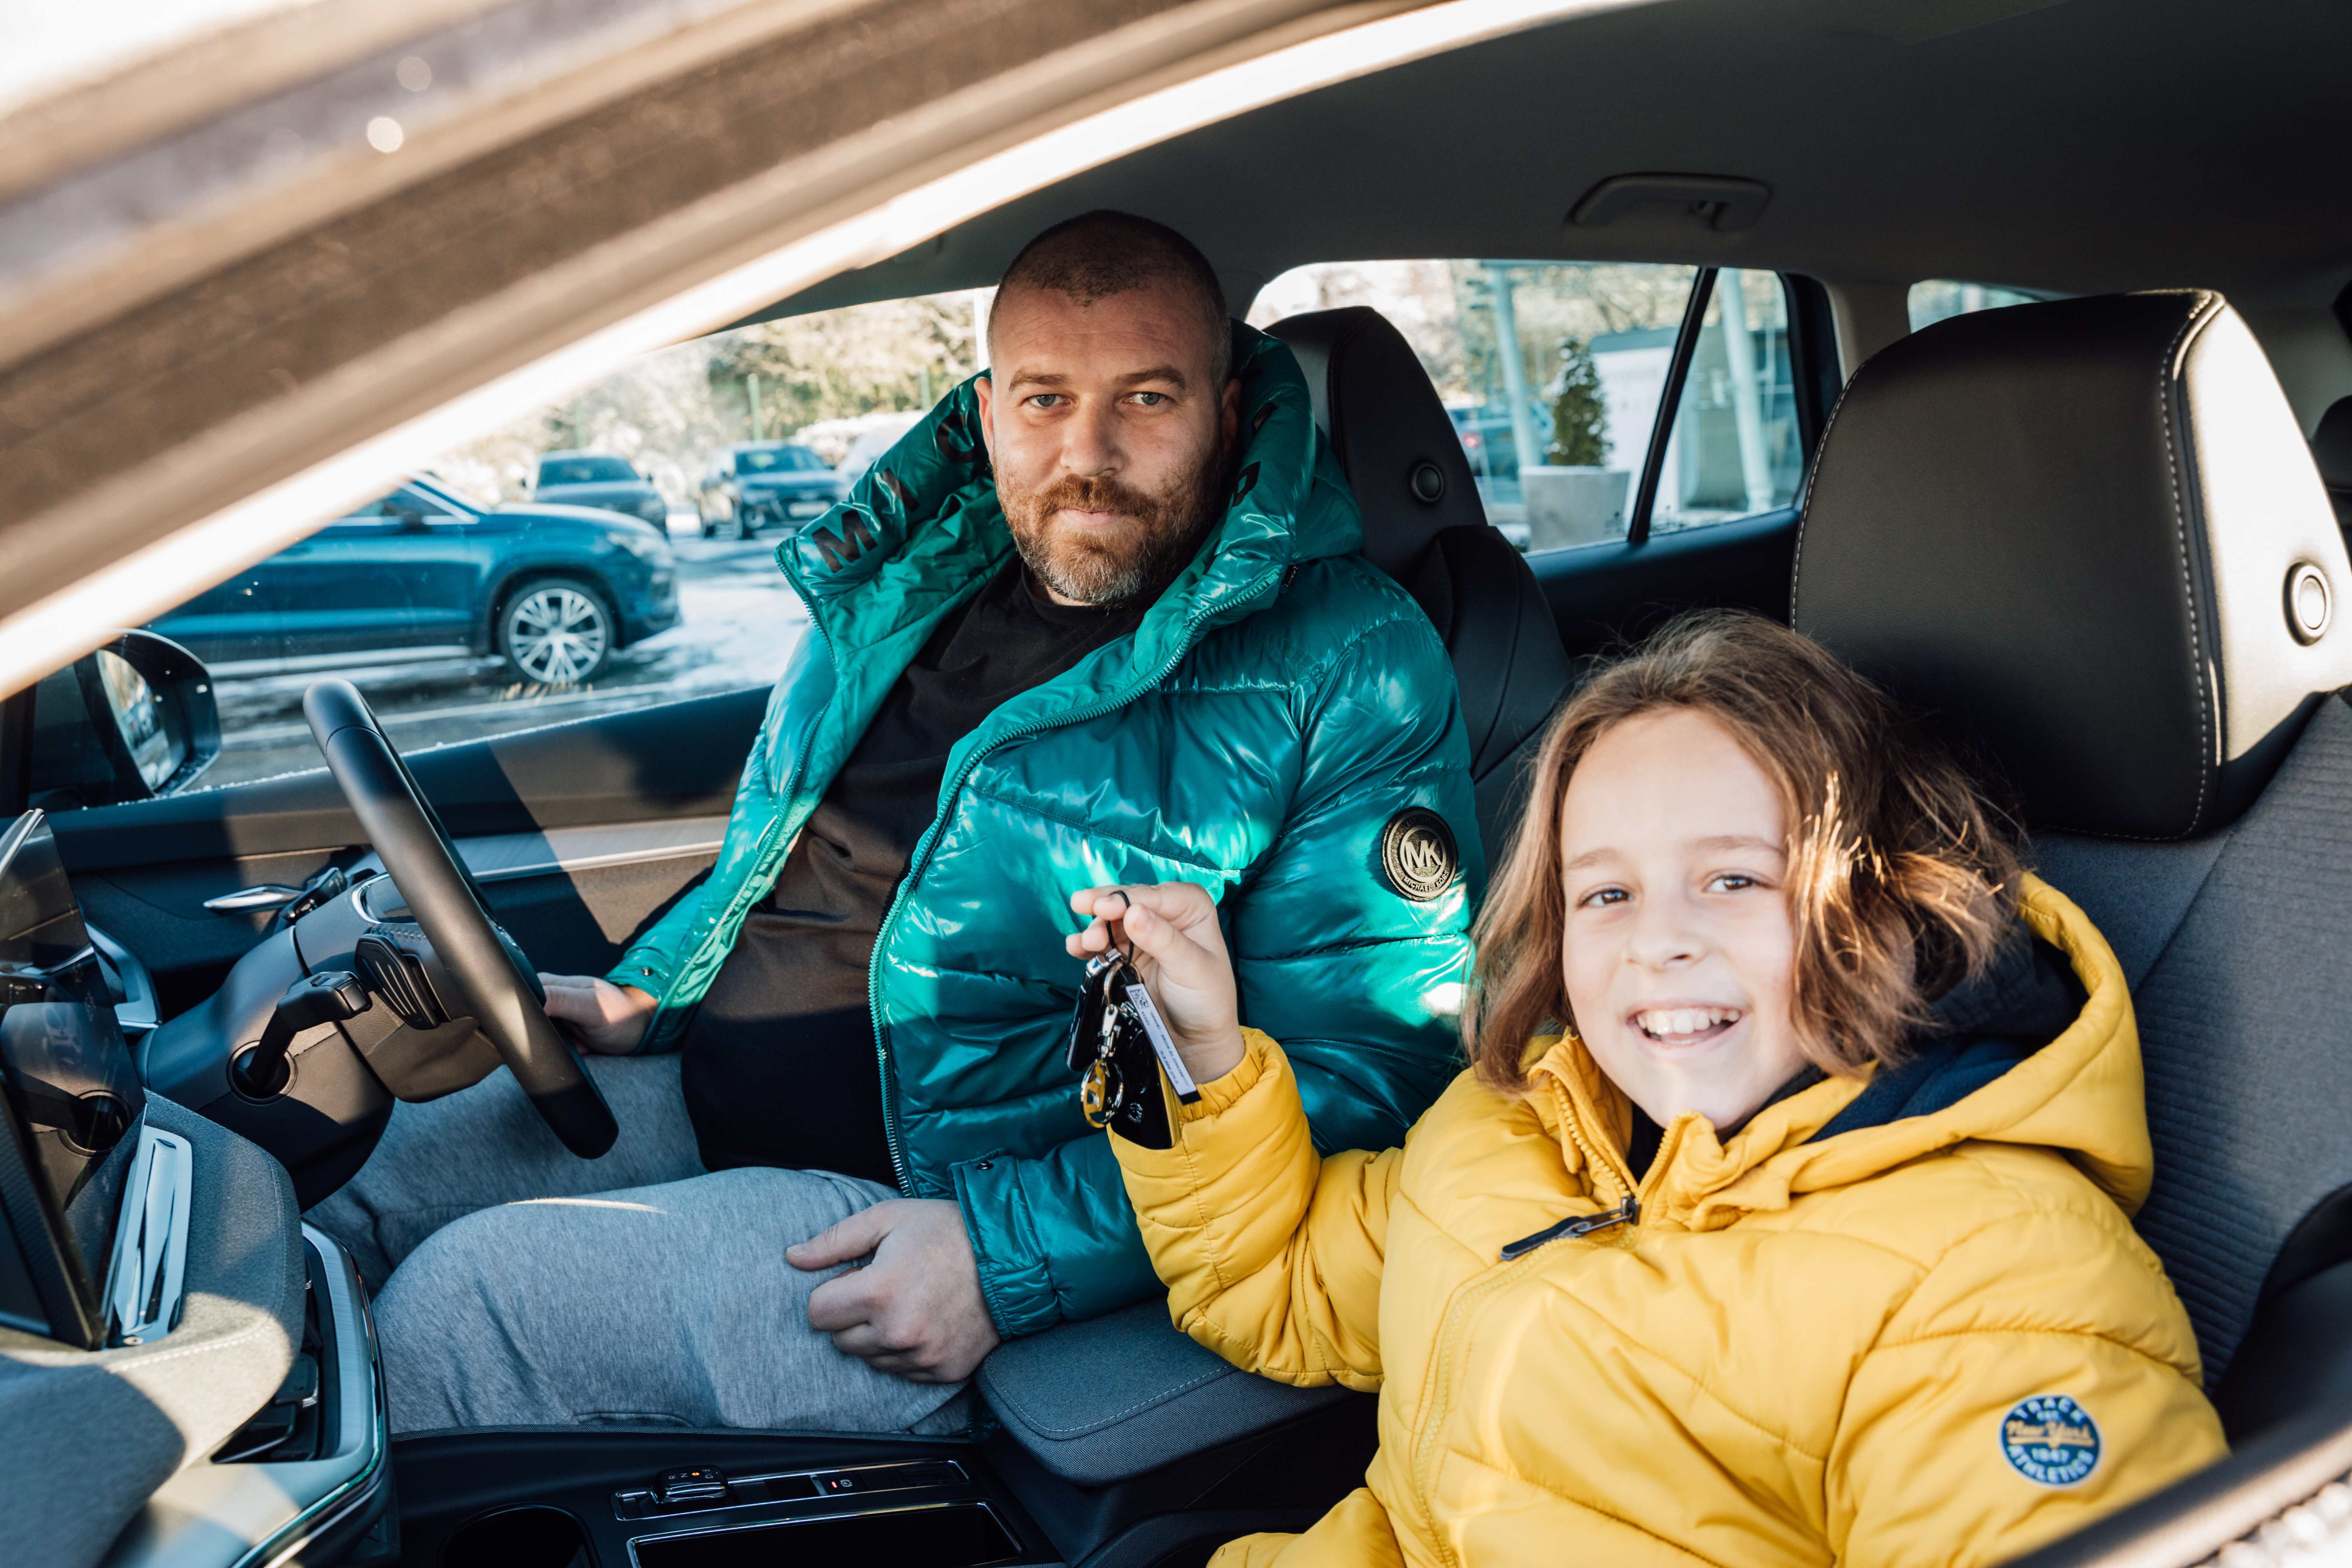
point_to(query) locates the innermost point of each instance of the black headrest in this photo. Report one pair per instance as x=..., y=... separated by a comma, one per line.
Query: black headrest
x=1388, y=429
x=2088, y=534
x=2331, y=453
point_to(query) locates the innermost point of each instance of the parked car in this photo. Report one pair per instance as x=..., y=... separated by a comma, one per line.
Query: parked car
x=426, y=572
x=756, y=484
x=1491, y=444
x=594, y=478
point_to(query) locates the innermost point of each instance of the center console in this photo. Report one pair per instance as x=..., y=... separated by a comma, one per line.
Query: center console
x=720, y=1499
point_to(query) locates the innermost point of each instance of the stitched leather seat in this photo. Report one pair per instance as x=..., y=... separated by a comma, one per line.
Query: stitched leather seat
x=1424, y=526
x=2086, y=535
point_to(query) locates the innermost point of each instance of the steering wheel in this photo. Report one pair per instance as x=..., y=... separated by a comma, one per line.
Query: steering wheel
x=504, y=999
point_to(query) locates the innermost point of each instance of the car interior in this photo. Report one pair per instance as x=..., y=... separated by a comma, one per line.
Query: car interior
x=2095, y=537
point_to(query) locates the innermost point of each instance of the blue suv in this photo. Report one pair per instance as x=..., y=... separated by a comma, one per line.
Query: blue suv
x=426, y=572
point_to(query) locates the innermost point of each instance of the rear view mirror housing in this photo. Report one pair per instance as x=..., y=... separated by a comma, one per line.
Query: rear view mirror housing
x=133, y=720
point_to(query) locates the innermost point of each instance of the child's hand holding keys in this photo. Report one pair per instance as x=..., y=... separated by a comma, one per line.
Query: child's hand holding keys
x=1171, y=933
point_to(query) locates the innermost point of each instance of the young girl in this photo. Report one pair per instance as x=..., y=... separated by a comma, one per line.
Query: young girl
x=1806, y=1242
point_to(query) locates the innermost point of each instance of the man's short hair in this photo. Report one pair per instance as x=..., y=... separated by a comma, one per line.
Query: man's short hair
x=1102, y=253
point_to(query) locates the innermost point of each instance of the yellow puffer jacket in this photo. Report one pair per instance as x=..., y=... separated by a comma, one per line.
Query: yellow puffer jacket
x=1936, y=1341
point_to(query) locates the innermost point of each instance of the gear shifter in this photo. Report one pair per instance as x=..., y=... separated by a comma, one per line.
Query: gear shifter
x=329, y=997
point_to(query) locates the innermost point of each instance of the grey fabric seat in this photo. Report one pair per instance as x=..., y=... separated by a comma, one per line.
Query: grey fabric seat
x=2088, y=537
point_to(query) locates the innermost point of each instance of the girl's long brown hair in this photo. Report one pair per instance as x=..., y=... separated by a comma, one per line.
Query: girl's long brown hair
x=1903, y=879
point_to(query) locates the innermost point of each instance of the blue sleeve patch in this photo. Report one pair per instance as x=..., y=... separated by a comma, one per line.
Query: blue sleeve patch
x=2051, y=1440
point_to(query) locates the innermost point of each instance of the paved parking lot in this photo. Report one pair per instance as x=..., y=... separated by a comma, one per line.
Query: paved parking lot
x=742, y=621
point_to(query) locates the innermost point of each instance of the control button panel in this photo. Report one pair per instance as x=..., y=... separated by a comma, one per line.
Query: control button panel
x=700, y=1488
x=695, y=1484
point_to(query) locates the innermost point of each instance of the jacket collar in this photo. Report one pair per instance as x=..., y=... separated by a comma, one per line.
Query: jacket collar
x=2082, y=1094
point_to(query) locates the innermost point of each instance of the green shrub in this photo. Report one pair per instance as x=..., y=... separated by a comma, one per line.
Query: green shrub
x=1579, y=420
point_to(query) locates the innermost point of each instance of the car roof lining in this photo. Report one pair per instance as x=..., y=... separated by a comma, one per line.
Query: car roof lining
x=2071, y=147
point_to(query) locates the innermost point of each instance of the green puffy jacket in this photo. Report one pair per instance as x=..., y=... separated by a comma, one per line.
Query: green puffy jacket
x=1279, y=707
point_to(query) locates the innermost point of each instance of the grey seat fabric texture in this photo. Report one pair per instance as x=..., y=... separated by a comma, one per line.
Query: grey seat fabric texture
x=146, y=1411
x=1102, y=1400
x=2245, y=1020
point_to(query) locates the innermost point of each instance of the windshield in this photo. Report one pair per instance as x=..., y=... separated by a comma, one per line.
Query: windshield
x=585, y=471
x=777, y=460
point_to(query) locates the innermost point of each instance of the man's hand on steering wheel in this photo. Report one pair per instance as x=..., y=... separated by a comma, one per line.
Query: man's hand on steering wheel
x=609, y=1019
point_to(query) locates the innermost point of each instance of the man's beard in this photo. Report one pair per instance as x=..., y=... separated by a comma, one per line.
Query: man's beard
x=1141, y=556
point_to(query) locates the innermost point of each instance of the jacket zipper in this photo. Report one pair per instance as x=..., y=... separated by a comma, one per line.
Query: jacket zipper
x=1441, y=1381
x=890, y=1127
x=1516, y=1259
x=1627, y=1212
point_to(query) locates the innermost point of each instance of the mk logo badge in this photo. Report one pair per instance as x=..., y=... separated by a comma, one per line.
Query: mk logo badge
x=1418, y=855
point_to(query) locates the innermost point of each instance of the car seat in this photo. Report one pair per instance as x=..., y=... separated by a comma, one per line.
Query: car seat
x=2088, y=537
x=1425, y=527
x=2331, y=453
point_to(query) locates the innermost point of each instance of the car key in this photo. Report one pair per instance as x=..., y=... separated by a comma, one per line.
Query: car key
x=1123, y=1045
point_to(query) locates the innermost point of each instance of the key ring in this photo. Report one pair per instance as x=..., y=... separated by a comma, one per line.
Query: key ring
x=1099, y=1096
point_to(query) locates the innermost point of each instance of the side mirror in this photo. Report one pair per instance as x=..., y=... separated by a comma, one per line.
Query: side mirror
x=135, y=720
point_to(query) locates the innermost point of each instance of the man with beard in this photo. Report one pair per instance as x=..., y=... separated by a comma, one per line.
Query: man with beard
x=1098, y=619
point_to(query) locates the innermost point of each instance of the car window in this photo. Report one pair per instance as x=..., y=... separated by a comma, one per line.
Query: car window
x=585, y=471
x=536, y=612
x=1552, y=371
x=1734, y=448
x=777, y=459
x=391, y=504
x=1937, y=298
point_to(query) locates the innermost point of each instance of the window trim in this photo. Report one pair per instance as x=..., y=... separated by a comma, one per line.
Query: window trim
x=1813, y=373
x=1670, y=404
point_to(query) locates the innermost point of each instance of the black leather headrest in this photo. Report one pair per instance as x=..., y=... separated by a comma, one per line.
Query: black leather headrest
x=2331, y=453
x=2088, y=535
x=1389, y=430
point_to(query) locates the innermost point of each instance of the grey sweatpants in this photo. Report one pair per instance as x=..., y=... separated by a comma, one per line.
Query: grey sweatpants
x=521, y=1286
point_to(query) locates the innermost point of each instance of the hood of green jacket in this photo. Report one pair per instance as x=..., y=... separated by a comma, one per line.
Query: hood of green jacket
x=924, y=525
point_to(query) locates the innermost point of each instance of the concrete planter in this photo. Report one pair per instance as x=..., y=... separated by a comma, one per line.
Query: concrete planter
x=1574, y=506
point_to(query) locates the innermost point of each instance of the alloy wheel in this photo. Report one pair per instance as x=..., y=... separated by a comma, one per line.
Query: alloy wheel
x=558, y=634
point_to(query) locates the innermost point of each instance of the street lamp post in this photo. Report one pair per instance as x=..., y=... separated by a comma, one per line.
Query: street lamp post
x=1515, y=370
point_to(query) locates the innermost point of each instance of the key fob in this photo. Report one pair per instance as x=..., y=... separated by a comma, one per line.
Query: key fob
x=1128, y=987
x=1141, y=1114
